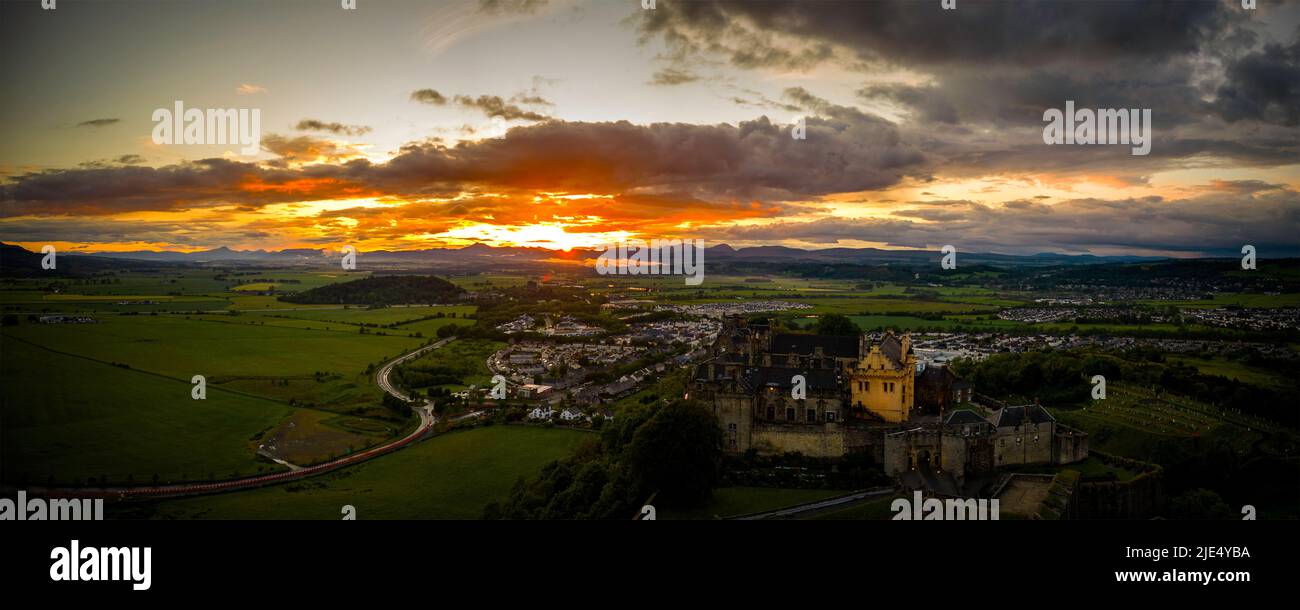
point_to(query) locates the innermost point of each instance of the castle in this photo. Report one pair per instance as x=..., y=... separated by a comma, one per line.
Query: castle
x=827, y=396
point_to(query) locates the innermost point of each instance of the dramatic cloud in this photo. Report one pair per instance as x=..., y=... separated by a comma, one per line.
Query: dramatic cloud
x=790, y=34
x=1264, y=86
x=247, y=89
x=1210, y=223
x=753, y=160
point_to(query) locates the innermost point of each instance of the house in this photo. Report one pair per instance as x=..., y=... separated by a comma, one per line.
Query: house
x=543, y=412
x=572, y=414
x=532, y=390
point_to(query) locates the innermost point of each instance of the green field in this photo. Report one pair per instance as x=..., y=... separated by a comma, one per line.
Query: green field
x=1132, y=420
x=735, y=501
x=72, y=419
x=381, y=316
x=467, y=357
x=452, y=476
x=181, y=348
x=871, y=510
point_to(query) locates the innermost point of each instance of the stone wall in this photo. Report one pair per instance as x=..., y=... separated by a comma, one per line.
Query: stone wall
x=1028, y=444
x=1069, y=445
x=823, y=441
x=1138, y=498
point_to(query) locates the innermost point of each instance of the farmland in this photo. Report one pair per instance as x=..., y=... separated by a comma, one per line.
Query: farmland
x=87, y=420
x=451, y=476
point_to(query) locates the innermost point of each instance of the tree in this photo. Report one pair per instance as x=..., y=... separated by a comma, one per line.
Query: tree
x=836, y=324
x=677, y=453
x=1199, y=504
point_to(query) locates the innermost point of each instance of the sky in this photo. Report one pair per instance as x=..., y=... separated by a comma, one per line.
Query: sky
x=574, y=123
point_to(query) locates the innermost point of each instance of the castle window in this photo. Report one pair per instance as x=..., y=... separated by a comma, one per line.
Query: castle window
x=789, y=414
x=771, y=413
x=830, y=416
x=812, y=415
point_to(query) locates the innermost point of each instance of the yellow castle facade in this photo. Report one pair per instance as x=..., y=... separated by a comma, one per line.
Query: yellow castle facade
x=884, y=381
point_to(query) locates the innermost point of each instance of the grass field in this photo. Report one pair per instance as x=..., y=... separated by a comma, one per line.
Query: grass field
x=1132, y=420
x=1234, y=370
x=452, y=476
x=467, y=357
x=872, y=510
x=86, y=419
x=181, y=348
x=382, y=316
x=734, y=501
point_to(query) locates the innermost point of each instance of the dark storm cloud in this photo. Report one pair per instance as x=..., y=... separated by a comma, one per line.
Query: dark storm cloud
x=1264, y=86
x=932, y=104
x=332, y=127
x=1006, y=61
x=1003, y=32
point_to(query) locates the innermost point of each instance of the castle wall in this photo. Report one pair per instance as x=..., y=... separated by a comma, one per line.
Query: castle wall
x=1069, y=445
x=735, y=417
x=825, y=441
x=1138, y=498
x=1027, y=444
x=955, y=454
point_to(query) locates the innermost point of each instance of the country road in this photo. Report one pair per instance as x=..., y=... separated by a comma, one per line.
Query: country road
x=427, y=420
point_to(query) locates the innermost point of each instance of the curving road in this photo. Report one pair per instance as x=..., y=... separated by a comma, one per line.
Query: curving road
x=427, y=420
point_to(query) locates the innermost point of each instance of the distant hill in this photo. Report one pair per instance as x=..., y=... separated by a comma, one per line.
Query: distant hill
x=480, y=256
x=16, y=261
x=383, y=290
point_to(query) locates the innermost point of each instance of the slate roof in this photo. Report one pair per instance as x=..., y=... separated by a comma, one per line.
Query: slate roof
x=962, y=417
x=839, y=346
x=892, y=348
x=780, y=377
x=1019, y=416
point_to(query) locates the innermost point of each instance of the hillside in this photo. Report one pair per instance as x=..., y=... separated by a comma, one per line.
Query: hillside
x=385, y=290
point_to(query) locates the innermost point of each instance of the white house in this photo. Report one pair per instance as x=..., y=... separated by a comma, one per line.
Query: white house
x=572, y=414
x=542, y=412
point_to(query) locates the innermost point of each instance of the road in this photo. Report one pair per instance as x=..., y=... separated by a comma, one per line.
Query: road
x=427, y=420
